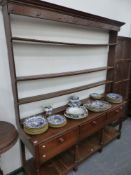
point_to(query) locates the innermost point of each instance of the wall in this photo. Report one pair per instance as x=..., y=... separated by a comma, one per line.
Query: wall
x=117, y=9
x=114, y=9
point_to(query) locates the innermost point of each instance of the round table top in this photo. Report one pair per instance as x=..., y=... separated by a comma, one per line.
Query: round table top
x=8, y=136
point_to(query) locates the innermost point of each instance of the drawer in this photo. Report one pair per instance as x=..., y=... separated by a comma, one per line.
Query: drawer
x=92, y=126
x=53, y=147
x=115, y=114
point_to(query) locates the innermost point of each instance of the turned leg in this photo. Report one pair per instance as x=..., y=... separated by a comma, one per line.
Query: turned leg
x=76, y=157
x=101, y=140
x=119, y=129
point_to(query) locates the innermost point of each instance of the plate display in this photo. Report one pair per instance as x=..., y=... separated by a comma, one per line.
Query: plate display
x=35, y=122
x=56, y=121
x=36, y=131
x=97, y=105
x=96, y=96
x=35, y=125
x=114, y=98
x=76, y=112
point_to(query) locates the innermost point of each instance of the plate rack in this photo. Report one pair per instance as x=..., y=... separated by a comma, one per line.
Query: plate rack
x=47, y=11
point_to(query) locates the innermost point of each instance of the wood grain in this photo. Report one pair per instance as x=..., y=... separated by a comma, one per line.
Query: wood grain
x=60, y=93
x=62, y=74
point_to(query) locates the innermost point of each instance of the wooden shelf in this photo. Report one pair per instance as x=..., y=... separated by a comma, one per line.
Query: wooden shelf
x=65, y=162
x=50, y=146
x=88, y=147
x=109, y=135
x=60, y=93
x=91, y=145
x=62, y=74
x=123, y=60
x=59, y=165
x=29, y=40
x=121, y=81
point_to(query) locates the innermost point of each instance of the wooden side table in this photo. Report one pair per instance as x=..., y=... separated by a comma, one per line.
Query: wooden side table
x=8, y=137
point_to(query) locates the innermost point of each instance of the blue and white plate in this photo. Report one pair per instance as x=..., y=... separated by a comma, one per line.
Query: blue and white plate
x=56, y=120
x=97, y=105
x=96, y=96
x=114, y=98
x=35, y=122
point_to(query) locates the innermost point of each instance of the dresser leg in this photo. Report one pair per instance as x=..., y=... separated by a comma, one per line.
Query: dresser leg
x=120, y=127
x=76, y=157
x=38, y=171
x=101, y=140
x=75, y=169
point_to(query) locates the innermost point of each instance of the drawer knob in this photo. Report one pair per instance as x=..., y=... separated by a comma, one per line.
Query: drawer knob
x=61, y=140
x=92, y=149
x=43, y=146
x=117, y=110
x=94, y=123
x=44, y=156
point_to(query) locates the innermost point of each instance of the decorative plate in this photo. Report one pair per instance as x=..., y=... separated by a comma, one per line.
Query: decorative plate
x=35, y=122
x=76, y=112
x=97, y=105
x=56, y=121
x=36, y=131
x=114, y=98
x=96, y=96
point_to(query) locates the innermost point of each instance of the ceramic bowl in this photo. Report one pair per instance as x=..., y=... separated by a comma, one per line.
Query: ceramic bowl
x=76, y=112
x=74, y=101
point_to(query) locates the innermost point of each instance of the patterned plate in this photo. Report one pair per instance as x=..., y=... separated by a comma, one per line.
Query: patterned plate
x=97, y=105
x=114, y=98
x=35, y=131
x=56, y=120
x=35, y=122
x=96, y=96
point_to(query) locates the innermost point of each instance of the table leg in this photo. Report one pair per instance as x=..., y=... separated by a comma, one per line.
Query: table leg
x=1, y=172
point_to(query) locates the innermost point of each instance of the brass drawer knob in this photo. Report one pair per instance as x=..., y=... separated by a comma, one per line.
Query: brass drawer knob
x=117, y=110
x=44, y=156
x=94, y=123
x=61, y=140
x=92, y=149
x=43, y=146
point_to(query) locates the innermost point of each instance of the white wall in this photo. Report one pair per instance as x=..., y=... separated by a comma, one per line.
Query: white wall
x=115, y=9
